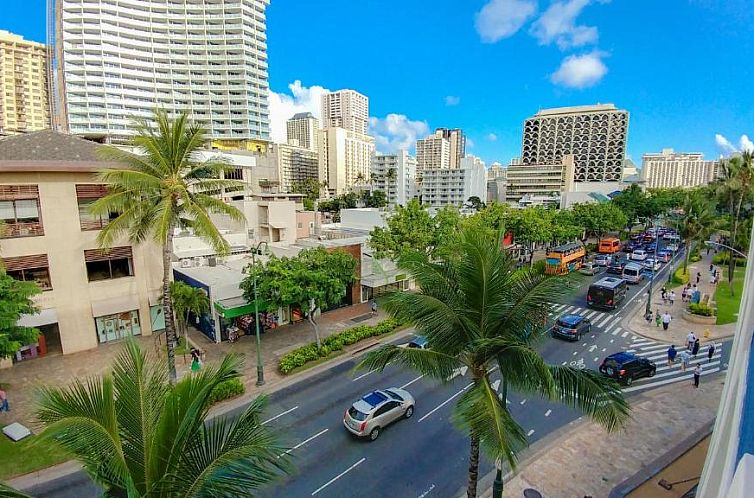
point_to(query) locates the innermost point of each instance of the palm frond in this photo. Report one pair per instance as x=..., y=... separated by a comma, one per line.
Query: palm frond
x=428, y=362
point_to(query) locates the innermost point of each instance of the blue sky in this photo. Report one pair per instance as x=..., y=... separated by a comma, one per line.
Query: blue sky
x=682, y=68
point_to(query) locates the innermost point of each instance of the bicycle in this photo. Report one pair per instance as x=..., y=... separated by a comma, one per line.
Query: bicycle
x=578, y=364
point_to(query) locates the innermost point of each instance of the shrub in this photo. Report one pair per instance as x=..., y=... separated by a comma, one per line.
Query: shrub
x=305, y=354
x=695, y=256
x=680, y=276
x=227, y=389
x=701, y=309
x=723, y=258
x=591, y=247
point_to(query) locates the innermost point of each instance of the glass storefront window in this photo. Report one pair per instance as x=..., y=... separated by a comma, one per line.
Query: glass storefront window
x=118, y=326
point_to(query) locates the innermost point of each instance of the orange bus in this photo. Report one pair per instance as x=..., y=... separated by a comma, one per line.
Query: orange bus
x=564, y=259
x=609, y=245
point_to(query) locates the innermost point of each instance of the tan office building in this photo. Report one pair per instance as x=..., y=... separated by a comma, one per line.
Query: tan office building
x=89, y=296
x=432, y=152
x=457, y=142
x=23, y=85
x=670, y=169
x=344, y=158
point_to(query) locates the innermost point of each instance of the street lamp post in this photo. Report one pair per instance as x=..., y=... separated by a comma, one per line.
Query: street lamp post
x=497, y=485
x=260, y=368
x=648, y=310
x=713, y=243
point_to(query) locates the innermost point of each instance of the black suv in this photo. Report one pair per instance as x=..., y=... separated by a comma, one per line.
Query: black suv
x=571, y=327
x=625, y=367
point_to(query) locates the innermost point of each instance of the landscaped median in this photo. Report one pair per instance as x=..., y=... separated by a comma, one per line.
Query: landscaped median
x=310, y=353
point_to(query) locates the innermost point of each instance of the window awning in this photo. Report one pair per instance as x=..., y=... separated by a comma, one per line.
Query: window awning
x=44, y=317
x=233, y=308
x=114, y=305
x=278, y=224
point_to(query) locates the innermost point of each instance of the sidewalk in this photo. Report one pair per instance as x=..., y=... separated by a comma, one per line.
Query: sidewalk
x=679, y=327
x=22, y=379
x=586, y=461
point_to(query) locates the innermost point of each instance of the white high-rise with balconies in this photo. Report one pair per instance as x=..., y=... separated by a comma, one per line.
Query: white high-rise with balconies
x=454, y=186
x=395, y=174
x=119, y=59
x=303, y=131
x=670, y=169
x=346, y=109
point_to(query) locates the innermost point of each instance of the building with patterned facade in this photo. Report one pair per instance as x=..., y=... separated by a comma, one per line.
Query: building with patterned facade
x=119, y=59
x=24, y=104
x=345, y=157
x=432, y=152
x=294, y=164
x=669, y=169
x=595, y=135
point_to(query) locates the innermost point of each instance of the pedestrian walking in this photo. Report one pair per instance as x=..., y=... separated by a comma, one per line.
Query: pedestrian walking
x=698, y=276
x=373, y=306
x=685, y=358
x=664, y=293
x=684, y=294
x=4, y=406
x=658, y=318
x=711, y=267
x=690, y=340
x=672, y=353
x=710, y=352
x=695, y=348
x=196, y=360
x=666, y=318
x=672, y=297
x=697, y=374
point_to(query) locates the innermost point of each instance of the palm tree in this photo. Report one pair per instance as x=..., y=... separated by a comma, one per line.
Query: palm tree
x=161, y=187
x=697, y=223
x=391, y=175
x=187, y=300
x=478, y=312
x=138, y=435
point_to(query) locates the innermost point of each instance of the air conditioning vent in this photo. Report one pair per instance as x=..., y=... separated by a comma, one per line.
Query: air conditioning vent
x=185, y=263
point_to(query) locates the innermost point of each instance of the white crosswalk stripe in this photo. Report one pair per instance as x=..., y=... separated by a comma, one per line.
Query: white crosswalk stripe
x=570, y=309
x=603, y=322
x=591, y=314
x=688, y=376
x=558, y=307
x=624, y=334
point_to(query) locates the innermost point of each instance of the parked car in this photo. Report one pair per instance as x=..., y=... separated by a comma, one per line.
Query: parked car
x=603, y=260
x=589, y=268
x=571, y=327
x=418, y=342
x=625, y=367
x=369, y=415
x=651, y=264
x=639, y=255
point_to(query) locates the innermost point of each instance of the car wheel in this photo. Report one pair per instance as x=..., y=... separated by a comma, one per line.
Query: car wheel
x=409, y=412
x=374, y=434
x=652, y=372
x=629, y=380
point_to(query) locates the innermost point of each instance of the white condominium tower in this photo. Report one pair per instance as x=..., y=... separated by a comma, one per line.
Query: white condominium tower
x=395, y=174
x=432, y=152
x=346, y=109
x=118, y=59
x=23, y=85
x=594, y=134
x=670, y=169
x=303, y=131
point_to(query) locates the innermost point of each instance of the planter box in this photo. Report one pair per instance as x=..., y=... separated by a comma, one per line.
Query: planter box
x=705, y=320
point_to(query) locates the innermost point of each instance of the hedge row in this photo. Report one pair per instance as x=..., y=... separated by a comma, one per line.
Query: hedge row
x=723, y=258
x=701, y=309
x=303, y=355
x=227, y=389
x=680, y=276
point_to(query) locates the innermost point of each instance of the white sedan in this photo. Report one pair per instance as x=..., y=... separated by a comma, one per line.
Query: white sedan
x=639, y=255
x=651, y=264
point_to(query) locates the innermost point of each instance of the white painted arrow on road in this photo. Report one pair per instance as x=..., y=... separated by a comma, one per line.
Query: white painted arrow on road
x=458, y=371
x=593, y=348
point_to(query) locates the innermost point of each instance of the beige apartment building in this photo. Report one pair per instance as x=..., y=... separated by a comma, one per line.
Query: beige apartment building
x=432, y=152
x=302, y=130
x=539, y=180
x=670, y=169
x=90, y=296
x=344, y=158
x=24, y=106
x=457, y=142
x=347, y=109
x=293, y=164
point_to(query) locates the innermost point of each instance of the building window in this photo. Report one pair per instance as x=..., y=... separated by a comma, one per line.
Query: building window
x=19, y=211
x=86, y=195
x=118, y=326
x=102, y=265
x=34, y=268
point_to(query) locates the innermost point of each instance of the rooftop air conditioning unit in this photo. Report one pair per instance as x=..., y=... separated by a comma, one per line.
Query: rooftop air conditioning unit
x=212, y=261
x=185, y=263
x=198, y=261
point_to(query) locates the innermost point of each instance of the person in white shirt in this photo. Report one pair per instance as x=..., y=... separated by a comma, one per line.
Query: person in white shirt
x=666, y=320
x=690, y=340
x=697, y=374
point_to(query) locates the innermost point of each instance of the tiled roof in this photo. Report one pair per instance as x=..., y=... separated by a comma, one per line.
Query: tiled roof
x=48, y=145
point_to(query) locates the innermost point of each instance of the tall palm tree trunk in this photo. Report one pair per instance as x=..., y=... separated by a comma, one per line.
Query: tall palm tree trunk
x=473, y=466
x=731, y=242
x=167, y=306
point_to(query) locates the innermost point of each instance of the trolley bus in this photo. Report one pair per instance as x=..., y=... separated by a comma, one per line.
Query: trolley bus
x=564, y=259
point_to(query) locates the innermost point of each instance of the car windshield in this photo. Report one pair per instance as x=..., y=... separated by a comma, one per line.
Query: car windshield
x=611, y=363
x=356, y=414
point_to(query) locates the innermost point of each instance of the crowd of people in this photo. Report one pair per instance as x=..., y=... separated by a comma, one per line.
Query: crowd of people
x=686, y=355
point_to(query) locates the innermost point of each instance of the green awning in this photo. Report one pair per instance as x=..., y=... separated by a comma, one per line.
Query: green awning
x=229, y=311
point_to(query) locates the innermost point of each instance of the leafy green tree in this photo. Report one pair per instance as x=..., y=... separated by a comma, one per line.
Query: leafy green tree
x=697, y=223
x=633, y=201
x=494, y=218
x=667, y=199
x=313, y=280
x=479, y=312
x=187, y=300
x=377, y=199
x=475, y=203
x=413, y=228
x=598, y=218
x=136, y=434
x=15, y=300
x=311, y=188
x=160, y=188
x=532, y=225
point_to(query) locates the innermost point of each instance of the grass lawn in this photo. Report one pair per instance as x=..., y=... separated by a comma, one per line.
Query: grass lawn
x=727, y=306
x=26, y=456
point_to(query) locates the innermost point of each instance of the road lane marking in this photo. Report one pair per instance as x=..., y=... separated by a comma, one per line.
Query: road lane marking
x=299, y=445
x=593, y=347
x=575, y=353
x=530, y=432
x=458, y=371
x=404, y=386
x=624, y=334
x=605, y=349
x=279, y=415
x=634, y=337
x=668, y=381
x=349, y=469
x=593, y=336
x=427, y=491
x=584, y=345
x=571, y=309
x=363, y=375
x=523, y=401
x=446, y=402
x=496, y=385
x=596, y=358
x=564, y=363
x=590, y=314
x=547, y=413
x=603, y=322
x=612, y=341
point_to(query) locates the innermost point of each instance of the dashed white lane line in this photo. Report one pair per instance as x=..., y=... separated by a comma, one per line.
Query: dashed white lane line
x=575, y=353
x=547, y=413
x=584, y=345
x=445, y=402
x=612, y=341
x=564, y=363
x=605, y=349
x=363, y=375
x=531, y=431
x=279, y=415
x=624, y=334
x=596, y=358
x=349, y=469
x=404, y=386
x=523, y=401
x=299, y=445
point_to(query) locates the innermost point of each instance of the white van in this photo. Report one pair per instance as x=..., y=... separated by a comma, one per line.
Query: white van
x=632, y=273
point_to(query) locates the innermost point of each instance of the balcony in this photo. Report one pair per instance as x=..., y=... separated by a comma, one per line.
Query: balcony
x=31, y=229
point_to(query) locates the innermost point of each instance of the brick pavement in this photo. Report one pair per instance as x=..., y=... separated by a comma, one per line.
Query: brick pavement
x=584, y=460
x=22, y=380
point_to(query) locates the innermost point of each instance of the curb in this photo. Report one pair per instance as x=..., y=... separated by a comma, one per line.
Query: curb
x=65, y=469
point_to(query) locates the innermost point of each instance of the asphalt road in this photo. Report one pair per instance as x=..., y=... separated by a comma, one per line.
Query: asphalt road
x=425, y=455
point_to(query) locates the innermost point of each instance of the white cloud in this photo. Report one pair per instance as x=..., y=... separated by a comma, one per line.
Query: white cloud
x=491, y=137
x=469, y=143
x=580, y=71
x=451, y=100
x=500, y=19
x=746, y=144
x=558, y=24
x=283, y=106
x=724, y=143
x=396, y=131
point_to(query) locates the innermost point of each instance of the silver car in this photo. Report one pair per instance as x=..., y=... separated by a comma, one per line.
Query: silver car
x=369, y=415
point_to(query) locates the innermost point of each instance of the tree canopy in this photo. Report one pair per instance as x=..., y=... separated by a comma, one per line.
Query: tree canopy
x=598, y=218
x=15, y=300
